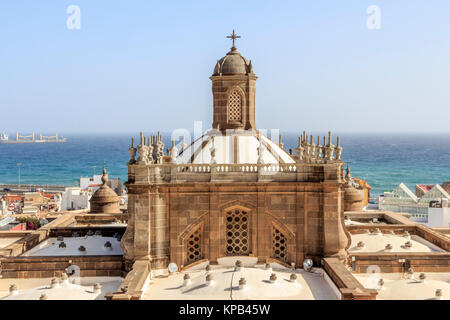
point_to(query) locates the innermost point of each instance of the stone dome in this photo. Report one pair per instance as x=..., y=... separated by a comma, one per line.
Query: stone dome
x=105, y=200
x=353, y=199
x=232, y=64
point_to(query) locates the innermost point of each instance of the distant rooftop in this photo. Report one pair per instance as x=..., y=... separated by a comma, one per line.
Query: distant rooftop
x=425, y=187
x=94, y=245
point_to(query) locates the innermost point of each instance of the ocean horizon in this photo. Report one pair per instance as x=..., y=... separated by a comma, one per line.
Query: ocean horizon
x=383, y=160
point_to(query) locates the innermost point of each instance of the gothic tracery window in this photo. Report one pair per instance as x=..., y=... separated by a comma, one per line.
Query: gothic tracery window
x=234, y=106
x=237, y=232
x=194, y=246
x=279, y=245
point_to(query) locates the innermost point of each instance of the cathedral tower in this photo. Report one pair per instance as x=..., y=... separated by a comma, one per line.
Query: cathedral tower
x=236, y=194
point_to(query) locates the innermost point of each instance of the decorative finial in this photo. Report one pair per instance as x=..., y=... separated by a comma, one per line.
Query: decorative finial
x=183, y=144
x=217, y=68
x=250, y=67
x=233, y=36
x=261, y=150
x=348, y=176
x=105, y=175
x=338, y=149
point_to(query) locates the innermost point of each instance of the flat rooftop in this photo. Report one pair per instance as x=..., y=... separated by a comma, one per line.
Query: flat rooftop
x=308, y=285
x=377, y=243
x=82, y=289
x=398, y=287
x=94, y=245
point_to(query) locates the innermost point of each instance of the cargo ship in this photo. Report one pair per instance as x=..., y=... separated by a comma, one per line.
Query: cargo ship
x=4, y=139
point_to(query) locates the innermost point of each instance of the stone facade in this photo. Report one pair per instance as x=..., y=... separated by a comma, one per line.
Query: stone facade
x=163, y=216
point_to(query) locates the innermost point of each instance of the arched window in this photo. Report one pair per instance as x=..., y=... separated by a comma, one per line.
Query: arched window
x=237, y=232
x=235, y=106
x=279, y=245
x=194, y=246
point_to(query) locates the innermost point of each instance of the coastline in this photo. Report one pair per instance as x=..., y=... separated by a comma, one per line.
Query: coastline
x=383, y=160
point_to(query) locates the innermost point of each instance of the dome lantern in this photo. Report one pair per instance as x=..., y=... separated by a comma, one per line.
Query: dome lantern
x=233, y=86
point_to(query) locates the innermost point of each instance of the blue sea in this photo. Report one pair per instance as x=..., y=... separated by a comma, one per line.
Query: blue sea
x=381, y=159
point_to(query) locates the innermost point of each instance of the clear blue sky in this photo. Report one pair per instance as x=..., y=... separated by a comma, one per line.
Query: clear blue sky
x=137, y=65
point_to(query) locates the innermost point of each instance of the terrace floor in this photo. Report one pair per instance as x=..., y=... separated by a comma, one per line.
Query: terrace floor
x=307, y=286
x=398, y=287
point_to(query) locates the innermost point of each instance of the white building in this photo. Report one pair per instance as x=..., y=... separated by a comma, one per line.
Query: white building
x=87, y=182
x=94, y=183
x=74, y=198
x=403, y=200
x=439, y=214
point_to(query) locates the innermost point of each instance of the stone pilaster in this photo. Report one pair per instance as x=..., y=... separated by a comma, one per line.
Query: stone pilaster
x=215, y=226
x=127, y=242
x=263, y=245
x=159, y=221
x=300, y=225
x=142, y=230
x=335, y=238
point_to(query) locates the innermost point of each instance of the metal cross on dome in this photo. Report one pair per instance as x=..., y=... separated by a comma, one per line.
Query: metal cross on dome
x=233, y=36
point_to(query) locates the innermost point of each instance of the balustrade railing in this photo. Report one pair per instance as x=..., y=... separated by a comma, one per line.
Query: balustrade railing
x=229, y=168
x=205, y=172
